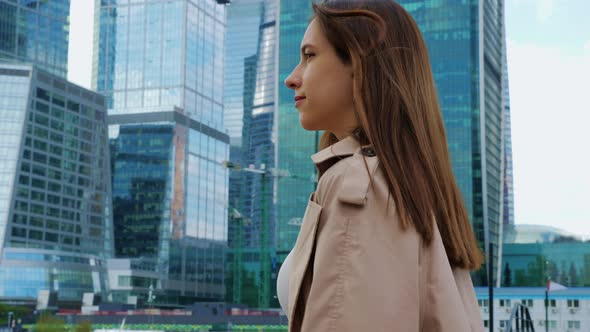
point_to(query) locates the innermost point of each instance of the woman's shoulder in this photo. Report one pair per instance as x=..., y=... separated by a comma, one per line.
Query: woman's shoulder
x=348, y=179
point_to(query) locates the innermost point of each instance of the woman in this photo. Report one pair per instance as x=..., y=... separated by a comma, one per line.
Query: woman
x=385, y=243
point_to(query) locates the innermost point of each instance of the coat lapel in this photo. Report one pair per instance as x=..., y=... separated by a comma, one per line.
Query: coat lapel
x=302, y=254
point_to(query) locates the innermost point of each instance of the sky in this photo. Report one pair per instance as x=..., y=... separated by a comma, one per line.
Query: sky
x=548, y=47
x=549, y=73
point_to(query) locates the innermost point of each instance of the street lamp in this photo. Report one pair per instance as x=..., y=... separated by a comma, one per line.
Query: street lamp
x=150, y=300
x=10, y=317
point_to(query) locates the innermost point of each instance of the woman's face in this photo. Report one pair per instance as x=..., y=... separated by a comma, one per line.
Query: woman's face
x=323, y=86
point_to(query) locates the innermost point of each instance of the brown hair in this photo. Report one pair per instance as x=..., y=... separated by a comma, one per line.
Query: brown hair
x=398, y=113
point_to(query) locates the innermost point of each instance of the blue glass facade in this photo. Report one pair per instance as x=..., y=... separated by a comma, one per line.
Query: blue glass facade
x=170, y=207
x=154, y=55
x=143, y=158
x=530, y=264
x=465, y=43
x=508, y=212
x=243, y=29
x=35, y=32
x=294, y=144
x=160, y=65
x=250, y=85
x=55, y=207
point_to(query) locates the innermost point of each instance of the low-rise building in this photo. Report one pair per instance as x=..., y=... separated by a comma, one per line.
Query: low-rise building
x=568, y=310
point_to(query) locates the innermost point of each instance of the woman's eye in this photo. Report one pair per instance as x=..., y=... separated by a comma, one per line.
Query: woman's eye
x=308, y=55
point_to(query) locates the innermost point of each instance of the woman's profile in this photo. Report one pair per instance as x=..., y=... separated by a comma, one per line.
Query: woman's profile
x=386, y=243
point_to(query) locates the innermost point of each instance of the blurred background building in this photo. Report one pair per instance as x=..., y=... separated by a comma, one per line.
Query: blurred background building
x=466, y=43
x=160, y=65
x=508, y=178
x=55, y=207
x=33, y=31
x=568, y=310
x=534, y=253
x=250, y=87
x=528, y=233
x=294, y=144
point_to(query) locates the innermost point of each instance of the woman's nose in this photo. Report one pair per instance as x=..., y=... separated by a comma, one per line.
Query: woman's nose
x=292, y=82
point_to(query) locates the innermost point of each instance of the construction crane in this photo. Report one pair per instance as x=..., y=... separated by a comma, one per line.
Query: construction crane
x=265, y=246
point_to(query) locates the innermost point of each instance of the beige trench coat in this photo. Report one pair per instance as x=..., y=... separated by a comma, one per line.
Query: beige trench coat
x=354, y=269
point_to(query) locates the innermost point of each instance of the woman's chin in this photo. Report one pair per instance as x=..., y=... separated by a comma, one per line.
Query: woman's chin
x=308, y=125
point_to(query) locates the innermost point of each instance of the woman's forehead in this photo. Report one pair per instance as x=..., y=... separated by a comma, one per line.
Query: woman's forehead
x=314, y=34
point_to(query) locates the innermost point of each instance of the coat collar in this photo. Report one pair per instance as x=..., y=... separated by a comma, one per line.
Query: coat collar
x=358, y=175
x=327, y=157
x=343, y=148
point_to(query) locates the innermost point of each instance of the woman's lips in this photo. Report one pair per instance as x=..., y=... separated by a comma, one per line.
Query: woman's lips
x=299, y=100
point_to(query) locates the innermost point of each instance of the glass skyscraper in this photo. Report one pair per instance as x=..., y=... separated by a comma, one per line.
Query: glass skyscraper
x=160, y=64
x=295, y=145
x=35, y=32
x=55, y=207
x=249, y=99
x=508, y=212
x=466, y=44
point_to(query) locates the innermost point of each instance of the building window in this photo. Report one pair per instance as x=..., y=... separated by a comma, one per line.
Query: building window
x=134, y=281
x=573, y=303
x=505, y=303
x=35, y=235
x=51, y=237
x=19, y=232
x=486, y=323
x=483, y=303
x=573, y=324
x=43, y=94
x=23, y=180
x=527, y=303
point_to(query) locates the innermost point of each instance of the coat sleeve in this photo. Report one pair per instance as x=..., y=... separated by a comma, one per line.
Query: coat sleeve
x=360, y=284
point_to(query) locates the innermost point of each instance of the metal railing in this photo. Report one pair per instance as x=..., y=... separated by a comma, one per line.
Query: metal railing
x=520, y=319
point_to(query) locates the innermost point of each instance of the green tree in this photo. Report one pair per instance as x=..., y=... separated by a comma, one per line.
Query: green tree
x=520, y=278
x=586, y=270
x=537, y=272
x=83, y=326
x=507, y=276
x=553, y=271
x=480, y=277
x=18, y=312
x=566, y=239
x=49, y=323
x=563, y=279
x=573, y=275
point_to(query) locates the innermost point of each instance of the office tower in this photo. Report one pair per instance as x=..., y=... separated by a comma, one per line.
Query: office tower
x=466, y=46
x=35, y=32
x=160, y=65
x=465, y=41
x=294, y=144
x=55, y=207
x=508, y=212
x=249, y=98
